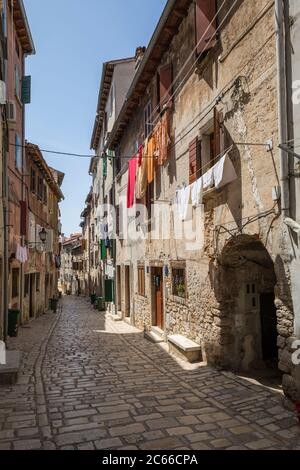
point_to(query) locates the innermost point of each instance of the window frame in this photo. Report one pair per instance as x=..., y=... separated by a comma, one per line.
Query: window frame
x=33, y=180
x=17, y=83
x=175, y=271
x=18, y=153
x=15, y=283
x=141, y=280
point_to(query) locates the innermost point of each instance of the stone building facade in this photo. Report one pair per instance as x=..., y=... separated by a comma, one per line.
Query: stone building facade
x=228, y=287
x=97, y=226
x=71, y=270
x=40, y=211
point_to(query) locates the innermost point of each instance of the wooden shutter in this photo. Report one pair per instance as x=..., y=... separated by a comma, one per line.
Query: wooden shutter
x=205, y=23
x=23, y=219
x=102, y=250
x=26, y=89
x=117, y=207
x=194, y=160
x=218, y=119
x=165, y=82
x=109, y=290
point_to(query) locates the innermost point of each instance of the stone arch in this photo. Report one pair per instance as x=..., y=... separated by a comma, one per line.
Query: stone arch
x=246, y=319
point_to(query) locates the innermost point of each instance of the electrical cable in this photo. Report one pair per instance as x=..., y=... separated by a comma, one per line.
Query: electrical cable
x=190, y=56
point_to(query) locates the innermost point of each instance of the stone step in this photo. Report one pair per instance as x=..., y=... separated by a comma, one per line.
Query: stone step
x=9, y=371
x=118, y=317
x=153, y=337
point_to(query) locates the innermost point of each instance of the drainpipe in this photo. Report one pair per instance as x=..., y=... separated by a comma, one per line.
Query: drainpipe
x=282, y=106
x=6, y=247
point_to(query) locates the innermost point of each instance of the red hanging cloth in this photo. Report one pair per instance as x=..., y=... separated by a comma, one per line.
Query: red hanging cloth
x=131, y=182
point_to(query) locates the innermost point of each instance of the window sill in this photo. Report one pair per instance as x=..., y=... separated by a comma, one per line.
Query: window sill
x=141, y=296
x=178, y=300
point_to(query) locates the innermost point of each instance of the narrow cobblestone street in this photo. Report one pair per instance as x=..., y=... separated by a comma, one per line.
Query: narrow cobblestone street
x=91, y=383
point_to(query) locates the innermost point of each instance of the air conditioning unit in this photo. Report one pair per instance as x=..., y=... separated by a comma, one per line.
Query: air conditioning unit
x=11, y=111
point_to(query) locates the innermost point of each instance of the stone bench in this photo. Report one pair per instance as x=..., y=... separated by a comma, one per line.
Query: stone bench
x=9, y=371
x=185, y=348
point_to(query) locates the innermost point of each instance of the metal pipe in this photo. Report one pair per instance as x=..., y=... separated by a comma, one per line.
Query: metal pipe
x=282, y=105
x=6, y=246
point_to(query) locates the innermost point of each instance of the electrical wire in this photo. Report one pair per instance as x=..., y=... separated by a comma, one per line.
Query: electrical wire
x=195, y=62
x=190, y=56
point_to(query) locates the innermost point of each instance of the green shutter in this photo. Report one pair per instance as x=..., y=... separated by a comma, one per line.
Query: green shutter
x=111, y=248
x=103, y=250
x=26, y=89
x=104, y=167
x=109, y=290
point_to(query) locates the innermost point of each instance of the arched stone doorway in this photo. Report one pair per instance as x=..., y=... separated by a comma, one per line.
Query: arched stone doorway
x=244, y=287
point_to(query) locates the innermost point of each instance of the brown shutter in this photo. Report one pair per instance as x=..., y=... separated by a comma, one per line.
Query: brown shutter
x=165, y=82
x=23, y=219
x=117, y=207
x=205, y=13
x=194, y=160
x=218, y=118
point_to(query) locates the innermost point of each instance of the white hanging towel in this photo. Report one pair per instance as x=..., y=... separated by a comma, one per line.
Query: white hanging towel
x=197, y=192
x=21, y=254
x=183, y=199
x=208, y=179
x=224, y=172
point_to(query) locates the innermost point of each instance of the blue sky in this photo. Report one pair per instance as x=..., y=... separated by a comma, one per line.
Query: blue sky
x=72, y=39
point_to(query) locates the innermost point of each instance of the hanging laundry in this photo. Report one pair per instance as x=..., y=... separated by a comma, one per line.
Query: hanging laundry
x=142, y=176
x=224, y=172
x=182, y=199
x=165, y=138
x=132, y=164
x=140, y=155
x=197, y=192
x=208, y=179
x=151, y=159
x=157, y=137
x=21, y=254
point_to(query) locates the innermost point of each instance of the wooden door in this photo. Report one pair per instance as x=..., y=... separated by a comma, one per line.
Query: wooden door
x=127, y=291
x=268, y=326
x=31, y=295
x=158, y=297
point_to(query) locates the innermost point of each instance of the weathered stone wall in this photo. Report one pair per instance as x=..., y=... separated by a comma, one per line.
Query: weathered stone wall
x=241, y=71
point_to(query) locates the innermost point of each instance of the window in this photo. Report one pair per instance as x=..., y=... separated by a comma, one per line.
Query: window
x=211, y=142
x=45, y=195
x=165, y=83
x=205, y=25
x=26, y=286
x=141, y=280
x=37, y=282
x=33, y=181
x=178, y=282
x=40, y=187
x=118, y=160
x=17, y=48
x=149, y=202
x=15, y=282
x=148, y=126
x=18, y=152
x=112, y=99
x=195, y=160
x=17, y=83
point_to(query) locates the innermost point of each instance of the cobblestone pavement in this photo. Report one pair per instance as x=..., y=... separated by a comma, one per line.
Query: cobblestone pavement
x=90, y=383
